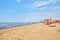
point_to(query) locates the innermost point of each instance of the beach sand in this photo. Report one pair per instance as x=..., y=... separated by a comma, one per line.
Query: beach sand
x=38, y=31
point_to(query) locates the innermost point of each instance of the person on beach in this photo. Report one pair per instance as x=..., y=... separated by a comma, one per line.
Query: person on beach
x=47, y=23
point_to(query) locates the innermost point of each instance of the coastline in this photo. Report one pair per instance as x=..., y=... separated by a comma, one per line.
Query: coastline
x=20, y=25
x=38, y=31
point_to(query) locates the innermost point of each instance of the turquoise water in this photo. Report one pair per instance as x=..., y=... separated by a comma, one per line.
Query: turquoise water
x=9, y=24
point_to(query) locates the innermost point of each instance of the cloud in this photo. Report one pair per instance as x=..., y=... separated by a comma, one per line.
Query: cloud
x=43, y=8
x=53, y=1
x=37, y=16
x=37, y=4
x=18, y=0
x=40, y=3
x=32, y=16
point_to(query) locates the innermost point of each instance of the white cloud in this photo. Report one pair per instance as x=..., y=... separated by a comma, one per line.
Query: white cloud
x=18, y=0
x=43, y=8
x=32, y=16
x=42, y=3
x=37, y=16
x=53, y=1
x=38, y=4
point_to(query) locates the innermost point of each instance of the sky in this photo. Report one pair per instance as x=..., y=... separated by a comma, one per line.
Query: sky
x=28, y=10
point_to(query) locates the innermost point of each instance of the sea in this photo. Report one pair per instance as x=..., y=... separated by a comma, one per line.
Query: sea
x=11, y=24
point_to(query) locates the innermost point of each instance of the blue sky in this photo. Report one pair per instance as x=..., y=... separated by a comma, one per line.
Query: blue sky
x=28, y=10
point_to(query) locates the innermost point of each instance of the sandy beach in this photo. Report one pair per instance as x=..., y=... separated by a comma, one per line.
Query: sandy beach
x=38, y=31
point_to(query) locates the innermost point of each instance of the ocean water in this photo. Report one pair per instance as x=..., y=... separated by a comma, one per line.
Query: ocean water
x=10, y=24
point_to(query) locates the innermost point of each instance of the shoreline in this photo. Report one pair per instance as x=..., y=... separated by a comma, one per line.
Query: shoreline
x=38, y=31
x=20, y=25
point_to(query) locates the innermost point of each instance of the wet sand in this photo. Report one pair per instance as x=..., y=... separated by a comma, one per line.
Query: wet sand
x=38, y=31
